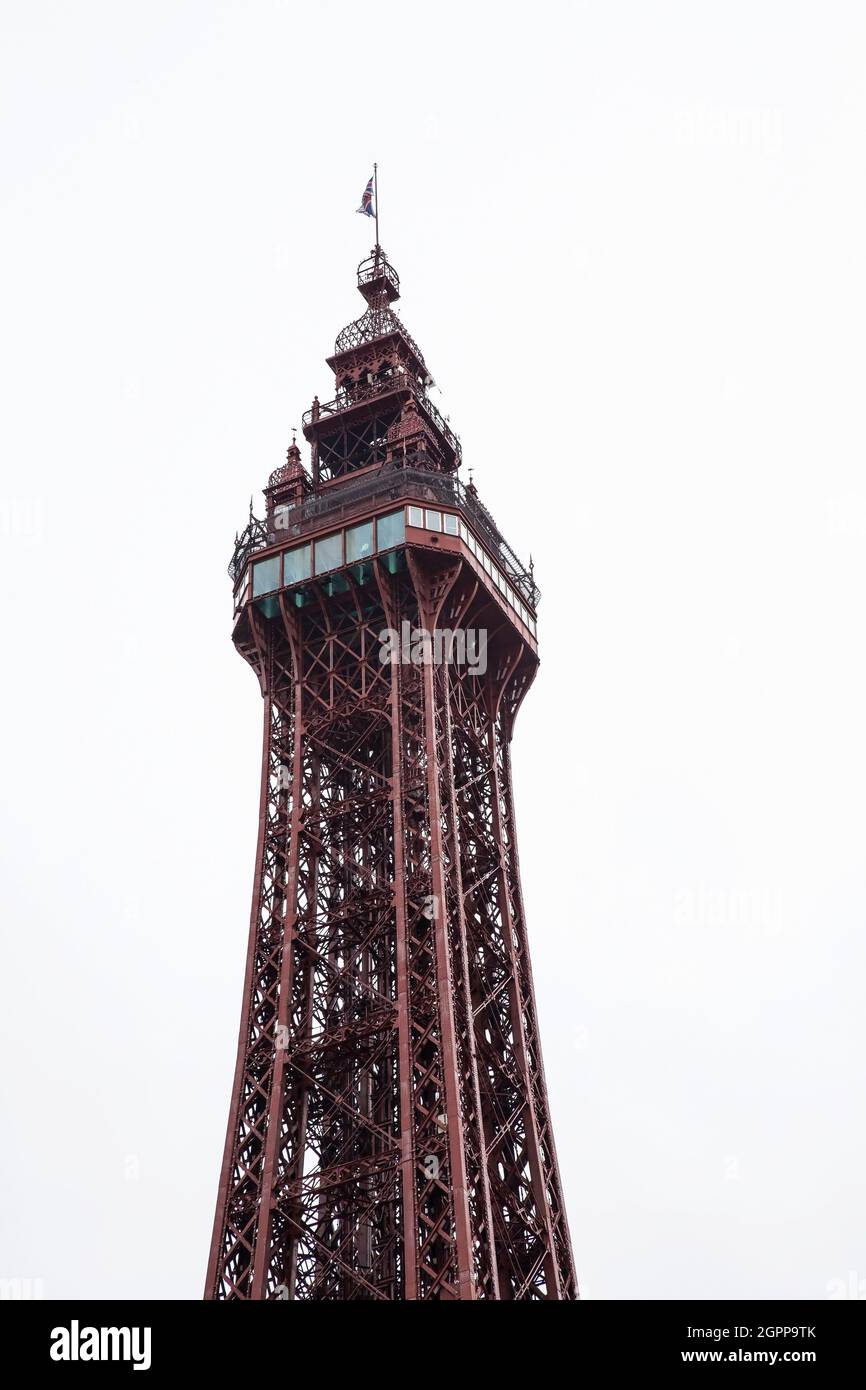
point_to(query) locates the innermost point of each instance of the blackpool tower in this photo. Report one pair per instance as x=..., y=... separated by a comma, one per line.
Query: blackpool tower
x=389, y=1135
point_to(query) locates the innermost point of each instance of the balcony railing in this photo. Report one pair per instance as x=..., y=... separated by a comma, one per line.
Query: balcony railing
x=341, y=501
x=368, y=390
x=378, y=267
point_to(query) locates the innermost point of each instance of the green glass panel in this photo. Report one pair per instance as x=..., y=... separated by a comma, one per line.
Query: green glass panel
x=359, y=541
x=329, y=553
x=390, y=530
x=269, y=606
x=296, y=565
x=395, y=561
x=266, y=575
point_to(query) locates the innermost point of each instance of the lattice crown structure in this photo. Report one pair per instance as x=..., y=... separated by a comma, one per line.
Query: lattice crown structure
x=389, y=1135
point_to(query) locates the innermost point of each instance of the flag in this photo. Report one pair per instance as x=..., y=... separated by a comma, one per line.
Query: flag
x=367, y=201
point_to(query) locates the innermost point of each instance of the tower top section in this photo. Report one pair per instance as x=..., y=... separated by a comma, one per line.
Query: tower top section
x=382, y=414
x=379, y=284
x=381, y=442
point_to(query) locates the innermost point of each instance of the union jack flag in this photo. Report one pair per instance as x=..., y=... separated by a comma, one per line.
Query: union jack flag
x=367, y=201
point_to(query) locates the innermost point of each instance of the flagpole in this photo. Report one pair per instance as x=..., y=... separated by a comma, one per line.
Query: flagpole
x=376, y=195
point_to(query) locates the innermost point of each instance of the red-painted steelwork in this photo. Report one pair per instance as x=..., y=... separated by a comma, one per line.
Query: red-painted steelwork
x=389, y=1134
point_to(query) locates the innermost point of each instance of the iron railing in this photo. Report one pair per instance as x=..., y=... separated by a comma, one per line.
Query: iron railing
x=340, y=501
x=399, y=381
x=378, y=267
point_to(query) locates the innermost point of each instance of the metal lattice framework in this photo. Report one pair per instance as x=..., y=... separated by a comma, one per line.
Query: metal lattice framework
x=389, y=1135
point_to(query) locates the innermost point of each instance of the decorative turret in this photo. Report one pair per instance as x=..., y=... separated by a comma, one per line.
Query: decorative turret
x=287, y=486
x=379, y=284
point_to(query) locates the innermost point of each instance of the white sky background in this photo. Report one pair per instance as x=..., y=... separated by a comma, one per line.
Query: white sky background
x=630, y=238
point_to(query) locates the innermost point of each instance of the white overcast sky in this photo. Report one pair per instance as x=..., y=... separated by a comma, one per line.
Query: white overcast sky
x=631, y=241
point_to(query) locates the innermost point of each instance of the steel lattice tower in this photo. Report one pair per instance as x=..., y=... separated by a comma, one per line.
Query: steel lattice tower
x=389, y=1134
